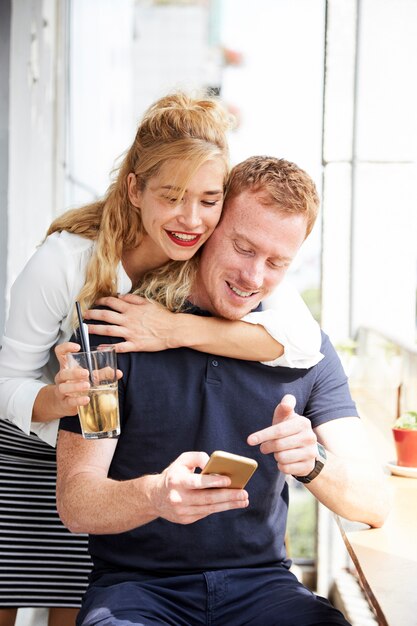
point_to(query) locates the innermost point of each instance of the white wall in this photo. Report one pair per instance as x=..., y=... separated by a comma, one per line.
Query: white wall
x=101, y=119
x=278, y=89
x=34, y=138
x=385, y=226
x=5, y=27
x=36, y=157
x=370, y=153
x=153, y=50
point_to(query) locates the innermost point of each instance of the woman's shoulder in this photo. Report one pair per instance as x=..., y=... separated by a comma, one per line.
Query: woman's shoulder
x=59, y=254
x=67, y=243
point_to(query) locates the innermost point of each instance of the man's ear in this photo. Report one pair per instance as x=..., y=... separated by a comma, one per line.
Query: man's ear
x=132, y=190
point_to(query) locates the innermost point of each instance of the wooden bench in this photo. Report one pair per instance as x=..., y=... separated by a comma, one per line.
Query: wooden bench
x=386, y=558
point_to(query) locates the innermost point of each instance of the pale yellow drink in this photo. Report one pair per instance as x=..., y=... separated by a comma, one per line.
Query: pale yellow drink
x=100, y=417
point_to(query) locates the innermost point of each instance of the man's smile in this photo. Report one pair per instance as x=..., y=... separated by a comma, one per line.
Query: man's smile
x=239, y=292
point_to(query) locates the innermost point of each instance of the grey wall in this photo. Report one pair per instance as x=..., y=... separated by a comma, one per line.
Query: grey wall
x=5, y=20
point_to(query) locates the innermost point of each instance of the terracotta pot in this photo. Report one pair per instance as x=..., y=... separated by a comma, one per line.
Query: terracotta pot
x=406, y=446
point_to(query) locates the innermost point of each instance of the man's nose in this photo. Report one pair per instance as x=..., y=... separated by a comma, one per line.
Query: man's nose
x=190, y=214
x=252, y=274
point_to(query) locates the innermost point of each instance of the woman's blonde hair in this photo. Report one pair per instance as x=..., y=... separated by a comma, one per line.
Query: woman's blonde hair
x=178, y=127
x=170, y=284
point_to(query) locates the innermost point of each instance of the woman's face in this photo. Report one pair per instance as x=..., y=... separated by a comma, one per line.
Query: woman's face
x=175, y=228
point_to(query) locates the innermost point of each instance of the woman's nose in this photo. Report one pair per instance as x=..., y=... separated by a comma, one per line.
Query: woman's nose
x=190, y=215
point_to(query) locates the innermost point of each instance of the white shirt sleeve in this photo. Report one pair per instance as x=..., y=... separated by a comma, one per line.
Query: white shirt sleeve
x=287, y=319
x=41, y=304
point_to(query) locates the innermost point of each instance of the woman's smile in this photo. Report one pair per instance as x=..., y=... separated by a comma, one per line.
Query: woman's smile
x=183, y=239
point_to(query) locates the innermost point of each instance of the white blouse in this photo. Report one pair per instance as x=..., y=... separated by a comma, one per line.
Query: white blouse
x=40, y=317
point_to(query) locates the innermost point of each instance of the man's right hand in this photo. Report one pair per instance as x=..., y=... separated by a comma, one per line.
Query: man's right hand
x=183, y=497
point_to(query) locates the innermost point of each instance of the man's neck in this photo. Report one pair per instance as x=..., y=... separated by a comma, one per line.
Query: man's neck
x=197, y=299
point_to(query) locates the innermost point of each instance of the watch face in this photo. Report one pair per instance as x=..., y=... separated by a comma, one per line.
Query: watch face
x=322, y=452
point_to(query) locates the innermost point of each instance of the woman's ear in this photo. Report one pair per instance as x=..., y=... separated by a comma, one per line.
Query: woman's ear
x=132, y=190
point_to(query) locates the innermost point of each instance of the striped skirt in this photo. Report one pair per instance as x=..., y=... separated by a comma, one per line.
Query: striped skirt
x=42, y=564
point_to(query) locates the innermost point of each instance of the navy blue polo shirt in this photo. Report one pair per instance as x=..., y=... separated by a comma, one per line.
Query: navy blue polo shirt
x=180, y=400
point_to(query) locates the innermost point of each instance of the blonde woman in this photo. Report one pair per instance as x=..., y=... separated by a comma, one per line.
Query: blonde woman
x=164, y=204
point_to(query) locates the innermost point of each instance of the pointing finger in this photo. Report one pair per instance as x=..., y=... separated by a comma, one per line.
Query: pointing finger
x=285, y=409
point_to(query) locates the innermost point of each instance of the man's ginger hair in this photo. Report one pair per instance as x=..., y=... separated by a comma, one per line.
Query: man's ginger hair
x=281, y=183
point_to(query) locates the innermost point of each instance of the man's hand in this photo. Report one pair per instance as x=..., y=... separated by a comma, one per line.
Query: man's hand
x=145, y=326
x=290, y=439
x=183, y=497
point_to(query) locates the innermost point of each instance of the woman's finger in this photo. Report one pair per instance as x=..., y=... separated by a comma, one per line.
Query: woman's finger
x=63, y=349
x=113, y=303
x=108, y=331
x=77, y=374
x=104, y=315
x=133, y=299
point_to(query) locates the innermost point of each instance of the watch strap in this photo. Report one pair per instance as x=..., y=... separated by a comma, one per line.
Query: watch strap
x=318, y=466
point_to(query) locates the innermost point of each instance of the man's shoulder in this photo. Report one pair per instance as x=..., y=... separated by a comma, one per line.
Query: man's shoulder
x=327, y=347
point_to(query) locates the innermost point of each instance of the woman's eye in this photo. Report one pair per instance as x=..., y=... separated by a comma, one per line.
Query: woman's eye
x=171, y=199
x=209, y=202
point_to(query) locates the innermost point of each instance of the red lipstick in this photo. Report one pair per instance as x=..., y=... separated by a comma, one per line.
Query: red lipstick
x=184, y=243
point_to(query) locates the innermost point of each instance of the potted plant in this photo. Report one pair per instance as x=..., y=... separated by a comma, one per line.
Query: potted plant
x=405, y=437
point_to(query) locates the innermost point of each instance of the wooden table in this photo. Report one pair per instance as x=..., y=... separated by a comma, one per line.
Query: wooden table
x=386, y=558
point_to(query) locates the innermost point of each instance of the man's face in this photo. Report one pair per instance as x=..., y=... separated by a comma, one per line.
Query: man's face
x=247, y=256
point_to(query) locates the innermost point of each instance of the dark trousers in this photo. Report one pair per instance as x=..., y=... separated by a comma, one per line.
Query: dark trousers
x=269, y=596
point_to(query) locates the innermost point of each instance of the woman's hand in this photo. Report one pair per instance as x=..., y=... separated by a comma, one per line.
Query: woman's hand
x=69, y=391
x=145, y=326
x=71, y=383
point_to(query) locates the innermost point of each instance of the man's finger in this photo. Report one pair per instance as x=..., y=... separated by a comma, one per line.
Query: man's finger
x=193, y=459
x=262, y=435
x=285, y=409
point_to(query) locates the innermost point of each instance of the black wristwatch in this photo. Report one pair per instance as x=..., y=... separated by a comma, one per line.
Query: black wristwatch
x=320, y=461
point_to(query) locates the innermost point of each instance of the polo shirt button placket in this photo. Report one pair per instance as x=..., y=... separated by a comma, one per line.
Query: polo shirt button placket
x=213, y=369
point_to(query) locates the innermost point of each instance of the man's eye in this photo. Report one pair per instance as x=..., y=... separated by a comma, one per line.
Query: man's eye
x=241, y=250
x=280, y=265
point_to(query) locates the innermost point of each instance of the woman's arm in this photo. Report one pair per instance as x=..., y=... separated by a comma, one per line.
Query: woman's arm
x=288, y=319
x=234, y=339
x=41, y=299
x=147, y=326
x=64, y=396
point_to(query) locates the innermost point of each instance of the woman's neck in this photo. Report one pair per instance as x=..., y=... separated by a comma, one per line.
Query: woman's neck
x=142, y=259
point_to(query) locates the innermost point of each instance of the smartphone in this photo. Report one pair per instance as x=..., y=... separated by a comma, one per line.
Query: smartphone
x=238, y=468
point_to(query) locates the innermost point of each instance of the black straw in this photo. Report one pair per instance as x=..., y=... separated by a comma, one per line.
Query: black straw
x=81, y=328
x=83, y=340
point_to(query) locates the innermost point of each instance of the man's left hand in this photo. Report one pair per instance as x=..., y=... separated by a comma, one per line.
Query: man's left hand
x=290, y=439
